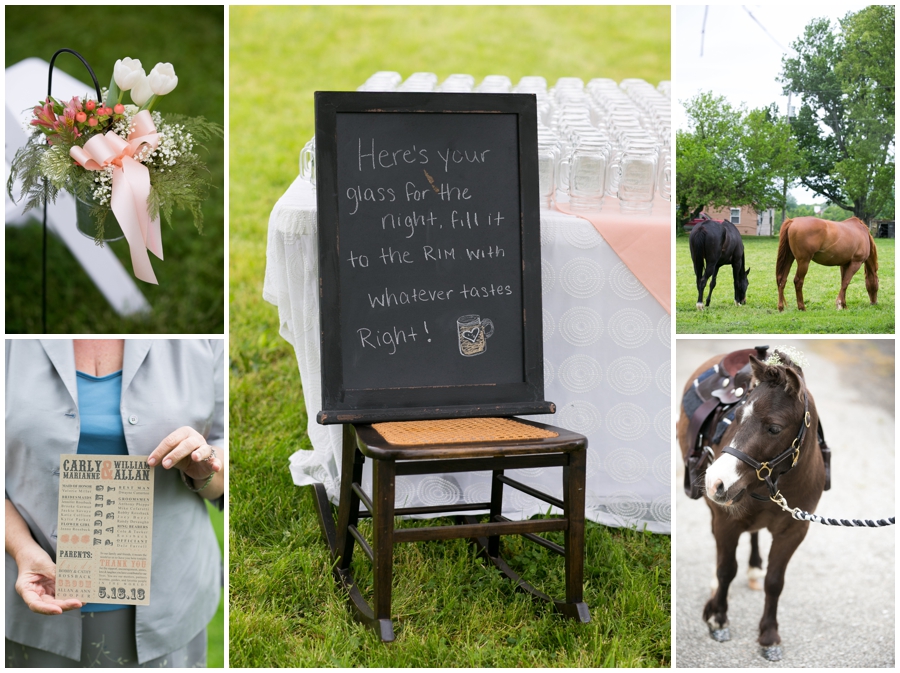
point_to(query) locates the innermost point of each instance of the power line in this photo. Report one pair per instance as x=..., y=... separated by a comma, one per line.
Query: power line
x=886, y=86
x=703, y=29
x=772, y=37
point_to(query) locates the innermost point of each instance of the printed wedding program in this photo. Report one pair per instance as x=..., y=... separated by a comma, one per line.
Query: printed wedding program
x=105, y=529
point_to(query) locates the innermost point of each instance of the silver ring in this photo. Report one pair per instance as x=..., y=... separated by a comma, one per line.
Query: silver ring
x=212, y=454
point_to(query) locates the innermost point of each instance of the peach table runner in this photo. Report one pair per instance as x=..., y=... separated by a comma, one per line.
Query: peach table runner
x=642, y=242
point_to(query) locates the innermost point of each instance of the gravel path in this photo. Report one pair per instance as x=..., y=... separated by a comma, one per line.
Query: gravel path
x=837, y=607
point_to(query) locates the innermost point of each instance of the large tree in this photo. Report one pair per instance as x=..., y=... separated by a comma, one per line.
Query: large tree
x=845, y=126
x=731, y=157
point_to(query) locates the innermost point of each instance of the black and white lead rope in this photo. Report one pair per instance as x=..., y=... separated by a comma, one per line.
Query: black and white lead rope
x=800, y=515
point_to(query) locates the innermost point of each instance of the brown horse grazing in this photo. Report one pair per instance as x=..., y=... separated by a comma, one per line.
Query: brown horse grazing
x=846, y=244
x=774, y=426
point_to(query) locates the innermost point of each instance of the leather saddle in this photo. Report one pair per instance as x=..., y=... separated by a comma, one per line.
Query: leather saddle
x=710, y=404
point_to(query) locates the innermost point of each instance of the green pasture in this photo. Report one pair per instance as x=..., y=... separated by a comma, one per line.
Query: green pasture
x=190, y=296
x=760, y=314
x=450, y=609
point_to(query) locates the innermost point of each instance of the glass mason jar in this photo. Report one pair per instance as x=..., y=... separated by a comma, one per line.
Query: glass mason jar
x=87, y=224
x=665, y=177
x=308, y=162
x=582, y=175
x=548, y=159
x=632, y=178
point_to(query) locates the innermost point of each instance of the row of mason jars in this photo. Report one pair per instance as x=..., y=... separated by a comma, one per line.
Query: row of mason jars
x=634, y=173
x=585, y=174
x=456, y=83
x=604, y=98
x=606, y=139
x=595, y=140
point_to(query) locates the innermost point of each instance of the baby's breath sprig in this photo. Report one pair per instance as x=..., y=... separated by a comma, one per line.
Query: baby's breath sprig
x=795, y=354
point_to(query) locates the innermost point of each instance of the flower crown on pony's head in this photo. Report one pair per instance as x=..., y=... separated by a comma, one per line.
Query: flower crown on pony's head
x=794, y=354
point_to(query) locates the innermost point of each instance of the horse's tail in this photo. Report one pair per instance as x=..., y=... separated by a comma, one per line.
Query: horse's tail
x=872, y=271
x=872, y=261
x=785, y=257
x=698, y=249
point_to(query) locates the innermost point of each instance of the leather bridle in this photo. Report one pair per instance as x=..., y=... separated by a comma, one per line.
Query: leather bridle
x=765, y=470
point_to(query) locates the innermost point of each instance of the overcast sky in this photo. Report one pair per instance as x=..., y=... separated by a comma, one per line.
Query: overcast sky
x=742, y=56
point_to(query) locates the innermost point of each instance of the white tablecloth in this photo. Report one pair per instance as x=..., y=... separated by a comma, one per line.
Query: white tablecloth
x=606, y=362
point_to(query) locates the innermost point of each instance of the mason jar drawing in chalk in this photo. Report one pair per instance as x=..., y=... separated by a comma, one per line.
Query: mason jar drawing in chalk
x=473, y=334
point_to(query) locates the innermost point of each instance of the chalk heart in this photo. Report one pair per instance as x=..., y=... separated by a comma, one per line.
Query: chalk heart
x=472, y=334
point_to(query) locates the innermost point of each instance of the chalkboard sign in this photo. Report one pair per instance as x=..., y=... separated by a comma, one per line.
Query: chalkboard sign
x=429, y=256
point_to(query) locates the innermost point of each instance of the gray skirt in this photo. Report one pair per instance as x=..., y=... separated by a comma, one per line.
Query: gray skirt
x=107, y=641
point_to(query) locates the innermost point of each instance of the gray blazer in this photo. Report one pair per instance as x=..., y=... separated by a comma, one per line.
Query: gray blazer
x=166, y=384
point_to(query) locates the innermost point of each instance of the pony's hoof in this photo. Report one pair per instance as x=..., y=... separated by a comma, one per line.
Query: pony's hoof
x=722, y=635
x=772, y=653
x=719, y=633
x=699, y=305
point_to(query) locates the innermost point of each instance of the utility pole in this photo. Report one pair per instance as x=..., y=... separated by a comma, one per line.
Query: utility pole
x=784, y=189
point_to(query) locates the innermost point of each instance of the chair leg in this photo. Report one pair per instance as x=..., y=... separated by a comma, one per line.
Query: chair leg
x=383, y=548
x=573, y=498
x=352, y=462
x=493, y=545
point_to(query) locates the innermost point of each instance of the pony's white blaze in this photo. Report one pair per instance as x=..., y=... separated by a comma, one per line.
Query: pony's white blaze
x=725, y=468
x=748, y=411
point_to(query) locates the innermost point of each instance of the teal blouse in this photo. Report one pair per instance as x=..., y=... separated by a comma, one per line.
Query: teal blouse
x=102, y=431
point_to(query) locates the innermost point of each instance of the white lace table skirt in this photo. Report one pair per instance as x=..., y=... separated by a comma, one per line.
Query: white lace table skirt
x=607, y=366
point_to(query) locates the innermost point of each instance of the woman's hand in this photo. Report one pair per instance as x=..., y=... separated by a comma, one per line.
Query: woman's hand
x=187, y=450
x=36, y=583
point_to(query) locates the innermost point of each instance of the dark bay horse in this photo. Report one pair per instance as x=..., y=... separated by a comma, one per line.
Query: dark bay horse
x=774, y=425
x=713, y=245
x=846, y=244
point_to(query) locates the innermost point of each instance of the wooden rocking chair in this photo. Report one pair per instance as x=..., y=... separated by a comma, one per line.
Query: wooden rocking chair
x=428, y=447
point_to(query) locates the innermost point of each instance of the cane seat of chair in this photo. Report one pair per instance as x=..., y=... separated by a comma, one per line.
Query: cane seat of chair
x=446, y=446
x=459, y=431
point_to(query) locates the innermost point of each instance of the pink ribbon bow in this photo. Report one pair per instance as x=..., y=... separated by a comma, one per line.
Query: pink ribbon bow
x=130, y=188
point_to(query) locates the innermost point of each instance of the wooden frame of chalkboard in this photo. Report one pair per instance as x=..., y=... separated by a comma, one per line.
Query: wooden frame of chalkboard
x=429, y=256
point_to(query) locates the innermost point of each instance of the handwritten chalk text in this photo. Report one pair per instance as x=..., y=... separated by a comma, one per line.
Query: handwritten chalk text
x=357, y=194
x=387, y=339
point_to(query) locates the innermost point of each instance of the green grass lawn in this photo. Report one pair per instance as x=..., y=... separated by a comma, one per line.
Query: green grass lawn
x=451, y=610
x=190, y=295
x=760, y=314
x=215, y=631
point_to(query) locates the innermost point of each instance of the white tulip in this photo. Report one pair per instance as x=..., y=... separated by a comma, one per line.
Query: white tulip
x=141, y=92
x=127, y=72
x=162, y=79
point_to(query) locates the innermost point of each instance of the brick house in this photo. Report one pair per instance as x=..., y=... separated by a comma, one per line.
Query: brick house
x=746, y=219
